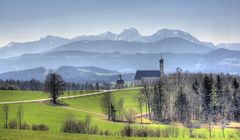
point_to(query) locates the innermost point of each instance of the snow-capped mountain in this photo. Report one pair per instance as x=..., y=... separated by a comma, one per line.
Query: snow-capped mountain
x=166, y=33
x=43, y=44
x=130, y=35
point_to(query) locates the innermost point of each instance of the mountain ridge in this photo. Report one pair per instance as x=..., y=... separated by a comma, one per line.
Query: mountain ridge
x=69, y=74
x=130, y=35
x=220, y=60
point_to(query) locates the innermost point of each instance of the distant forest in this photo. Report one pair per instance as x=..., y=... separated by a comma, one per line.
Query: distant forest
x=36, y=85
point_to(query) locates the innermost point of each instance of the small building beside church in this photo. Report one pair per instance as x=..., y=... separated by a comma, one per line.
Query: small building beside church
x=119, y=82
x=149, y=77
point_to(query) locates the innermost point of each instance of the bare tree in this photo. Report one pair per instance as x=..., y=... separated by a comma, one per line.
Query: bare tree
x=146, y=91
x=210, y=125
x=140, y=100
x=236, y=100
x=5, y=114
x=54, y=85
x=106, y=102
x=196, y=99
x=130, y=115
x=120, y=108
x=20, y=114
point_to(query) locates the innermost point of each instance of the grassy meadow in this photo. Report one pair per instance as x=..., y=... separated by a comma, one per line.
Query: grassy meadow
x=54, y=115
x=20, y=95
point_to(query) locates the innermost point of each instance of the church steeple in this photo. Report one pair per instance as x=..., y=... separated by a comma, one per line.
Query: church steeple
x=161, y=61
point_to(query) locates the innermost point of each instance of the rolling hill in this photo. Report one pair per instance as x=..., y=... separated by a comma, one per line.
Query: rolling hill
x=69, y=74
x=220, y=60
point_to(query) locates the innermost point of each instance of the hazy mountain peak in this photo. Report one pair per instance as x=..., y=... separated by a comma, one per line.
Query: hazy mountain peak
x=10, y=44
x=50, y=37
x=130, y=34
x=107, y=35
x=43, y=44
x=131, y=30
x=169, y=33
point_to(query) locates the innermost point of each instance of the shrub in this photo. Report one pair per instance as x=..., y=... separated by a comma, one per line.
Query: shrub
x=25, y=126
x=12, y=124
x=142, y=132
x=156, y=133
x=130, y=115
x=106, y=133
x=71, y=125
x=40, y=127
x=127, y=131
x=170, y=131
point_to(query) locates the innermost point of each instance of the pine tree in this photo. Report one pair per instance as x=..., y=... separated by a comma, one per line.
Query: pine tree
x=158, y=101
x=182, y=105
x=207, y=93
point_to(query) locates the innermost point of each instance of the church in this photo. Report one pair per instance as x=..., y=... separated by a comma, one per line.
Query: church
x=149, y=77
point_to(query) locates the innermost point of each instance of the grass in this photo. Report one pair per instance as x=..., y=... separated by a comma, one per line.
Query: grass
x=19, y=95
x=53, y=116
x=92, y=103
x=7, y=134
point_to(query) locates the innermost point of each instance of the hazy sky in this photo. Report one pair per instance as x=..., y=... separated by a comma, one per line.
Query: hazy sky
x=208, y=20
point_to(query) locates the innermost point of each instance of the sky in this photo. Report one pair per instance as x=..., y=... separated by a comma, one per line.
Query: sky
x=208, y=20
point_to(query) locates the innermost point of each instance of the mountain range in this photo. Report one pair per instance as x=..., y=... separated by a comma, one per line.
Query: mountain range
x=129, y=35
x=124, y=53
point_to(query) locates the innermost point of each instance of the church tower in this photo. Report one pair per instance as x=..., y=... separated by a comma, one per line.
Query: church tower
x=161, y=61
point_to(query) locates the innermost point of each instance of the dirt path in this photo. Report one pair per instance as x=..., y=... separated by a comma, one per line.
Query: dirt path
x=66, y=97
x=83, y=110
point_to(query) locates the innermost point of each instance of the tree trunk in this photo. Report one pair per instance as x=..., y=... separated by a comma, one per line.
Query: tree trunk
x=223, y=131
x=54, y=100
x=141, y=116
x=146, y=109
x=210, y=129
x=6, y=120
x=149, y=111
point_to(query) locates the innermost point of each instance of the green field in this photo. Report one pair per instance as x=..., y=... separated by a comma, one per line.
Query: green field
x=19, y=95
x=53, y=116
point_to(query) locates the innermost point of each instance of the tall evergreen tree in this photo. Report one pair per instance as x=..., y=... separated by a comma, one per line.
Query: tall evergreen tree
x=182, y=106
x=207, y=93
x=158, y=101
x=219, y=96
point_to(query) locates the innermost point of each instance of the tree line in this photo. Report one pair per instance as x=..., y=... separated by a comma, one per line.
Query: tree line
x=36, y=85
x=188, y=97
